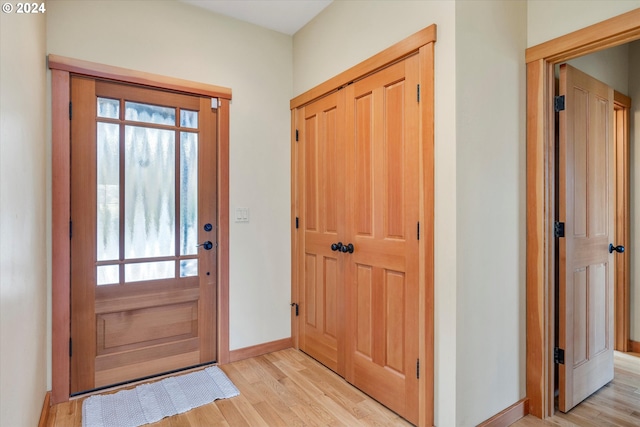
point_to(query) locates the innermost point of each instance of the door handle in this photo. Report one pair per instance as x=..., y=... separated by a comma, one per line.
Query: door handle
x=347, y=248
x=619, y=249
x=206, y=245
x=336, y=246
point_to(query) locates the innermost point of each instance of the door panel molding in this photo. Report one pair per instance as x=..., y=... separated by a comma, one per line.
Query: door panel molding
x=62, y=69
x=540, y=191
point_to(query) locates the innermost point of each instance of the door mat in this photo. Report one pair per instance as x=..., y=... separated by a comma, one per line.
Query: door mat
x=149, y=403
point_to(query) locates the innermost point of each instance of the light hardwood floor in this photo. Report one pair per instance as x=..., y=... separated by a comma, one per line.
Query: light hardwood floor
x=285, y=388
x=616, y=404
x=288, y=388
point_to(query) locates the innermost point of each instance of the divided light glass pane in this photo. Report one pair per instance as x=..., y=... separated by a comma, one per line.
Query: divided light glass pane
x=108, y=192
x=189, y=119
x=149, y=199
x=147, y=113
x=188, y=193
x=109, y=108
x=188, y=267
x=108, y=275
x=149, y=271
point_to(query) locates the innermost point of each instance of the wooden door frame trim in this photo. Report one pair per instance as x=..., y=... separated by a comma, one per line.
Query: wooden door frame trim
x=403, y=48
x=622, y=107
x=61, y=71
x=421, y=43
x=540, y=60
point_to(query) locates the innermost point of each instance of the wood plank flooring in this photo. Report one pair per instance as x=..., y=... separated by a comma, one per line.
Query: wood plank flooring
x=616, y=404
x=282, y=389
x=288, y=388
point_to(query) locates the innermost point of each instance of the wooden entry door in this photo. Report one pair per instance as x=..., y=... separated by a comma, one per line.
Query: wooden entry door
x=359, y=195
x=144, y=233
x=586, y=206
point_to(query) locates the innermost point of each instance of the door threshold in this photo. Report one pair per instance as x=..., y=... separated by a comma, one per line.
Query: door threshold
x=130, y=384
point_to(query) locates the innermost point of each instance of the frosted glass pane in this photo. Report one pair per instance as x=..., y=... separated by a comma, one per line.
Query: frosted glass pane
x=189, y=119
x=149, y=271
x=108, y=192
x=188, y=267
x=109, y=108
x=147, y=113
x=108, y=274
x=188, y=193
x=150, y=208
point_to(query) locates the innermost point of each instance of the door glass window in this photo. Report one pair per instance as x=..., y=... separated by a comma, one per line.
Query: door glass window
x=147, y=192
x=108, y=176
x=188, y=193
x=149, y=221
x=146, y=113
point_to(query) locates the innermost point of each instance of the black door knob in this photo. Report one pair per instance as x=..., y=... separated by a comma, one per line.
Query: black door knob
x=206, y=245
x=347, y=248
x=336, y=246
x=619, y=249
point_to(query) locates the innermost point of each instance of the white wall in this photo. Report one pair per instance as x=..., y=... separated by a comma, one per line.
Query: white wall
x=175, y=39
x=634, y=160
x=548, y=19
x=23, y=266
x=491, y=207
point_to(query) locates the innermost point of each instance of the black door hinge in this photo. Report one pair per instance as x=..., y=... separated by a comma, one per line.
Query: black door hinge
x=558, y=356
x=418, y=93
x=70, y=229
x=418, y=230
x=296, y=135
x=558, y=103
x=70, y=111
x=558, y=229
x=418, y=369
x=70, y=348
x=293, y=304
x=297, y=222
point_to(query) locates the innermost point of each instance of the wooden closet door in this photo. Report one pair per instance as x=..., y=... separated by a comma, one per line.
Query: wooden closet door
x=321, y=271
x=381, y=275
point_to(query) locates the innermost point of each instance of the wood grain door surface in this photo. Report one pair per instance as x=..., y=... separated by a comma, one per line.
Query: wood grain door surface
x=359, y=185
x=586, y=206
x=323, y=195
x=143, y=294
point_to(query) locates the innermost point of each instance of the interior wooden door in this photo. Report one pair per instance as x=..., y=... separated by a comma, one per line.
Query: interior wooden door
x=382, y=183
x=586, y=207
x=321, y=273
x=144, y=233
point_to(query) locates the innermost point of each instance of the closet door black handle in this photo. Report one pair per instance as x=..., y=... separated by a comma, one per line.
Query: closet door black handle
x=347, y=248
x=336, y=246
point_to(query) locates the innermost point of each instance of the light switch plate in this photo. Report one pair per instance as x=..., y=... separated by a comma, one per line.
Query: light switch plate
x=242, y=214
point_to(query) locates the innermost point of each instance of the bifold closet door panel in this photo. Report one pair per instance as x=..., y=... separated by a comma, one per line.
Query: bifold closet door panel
x=322, y=207
x=382, y=153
